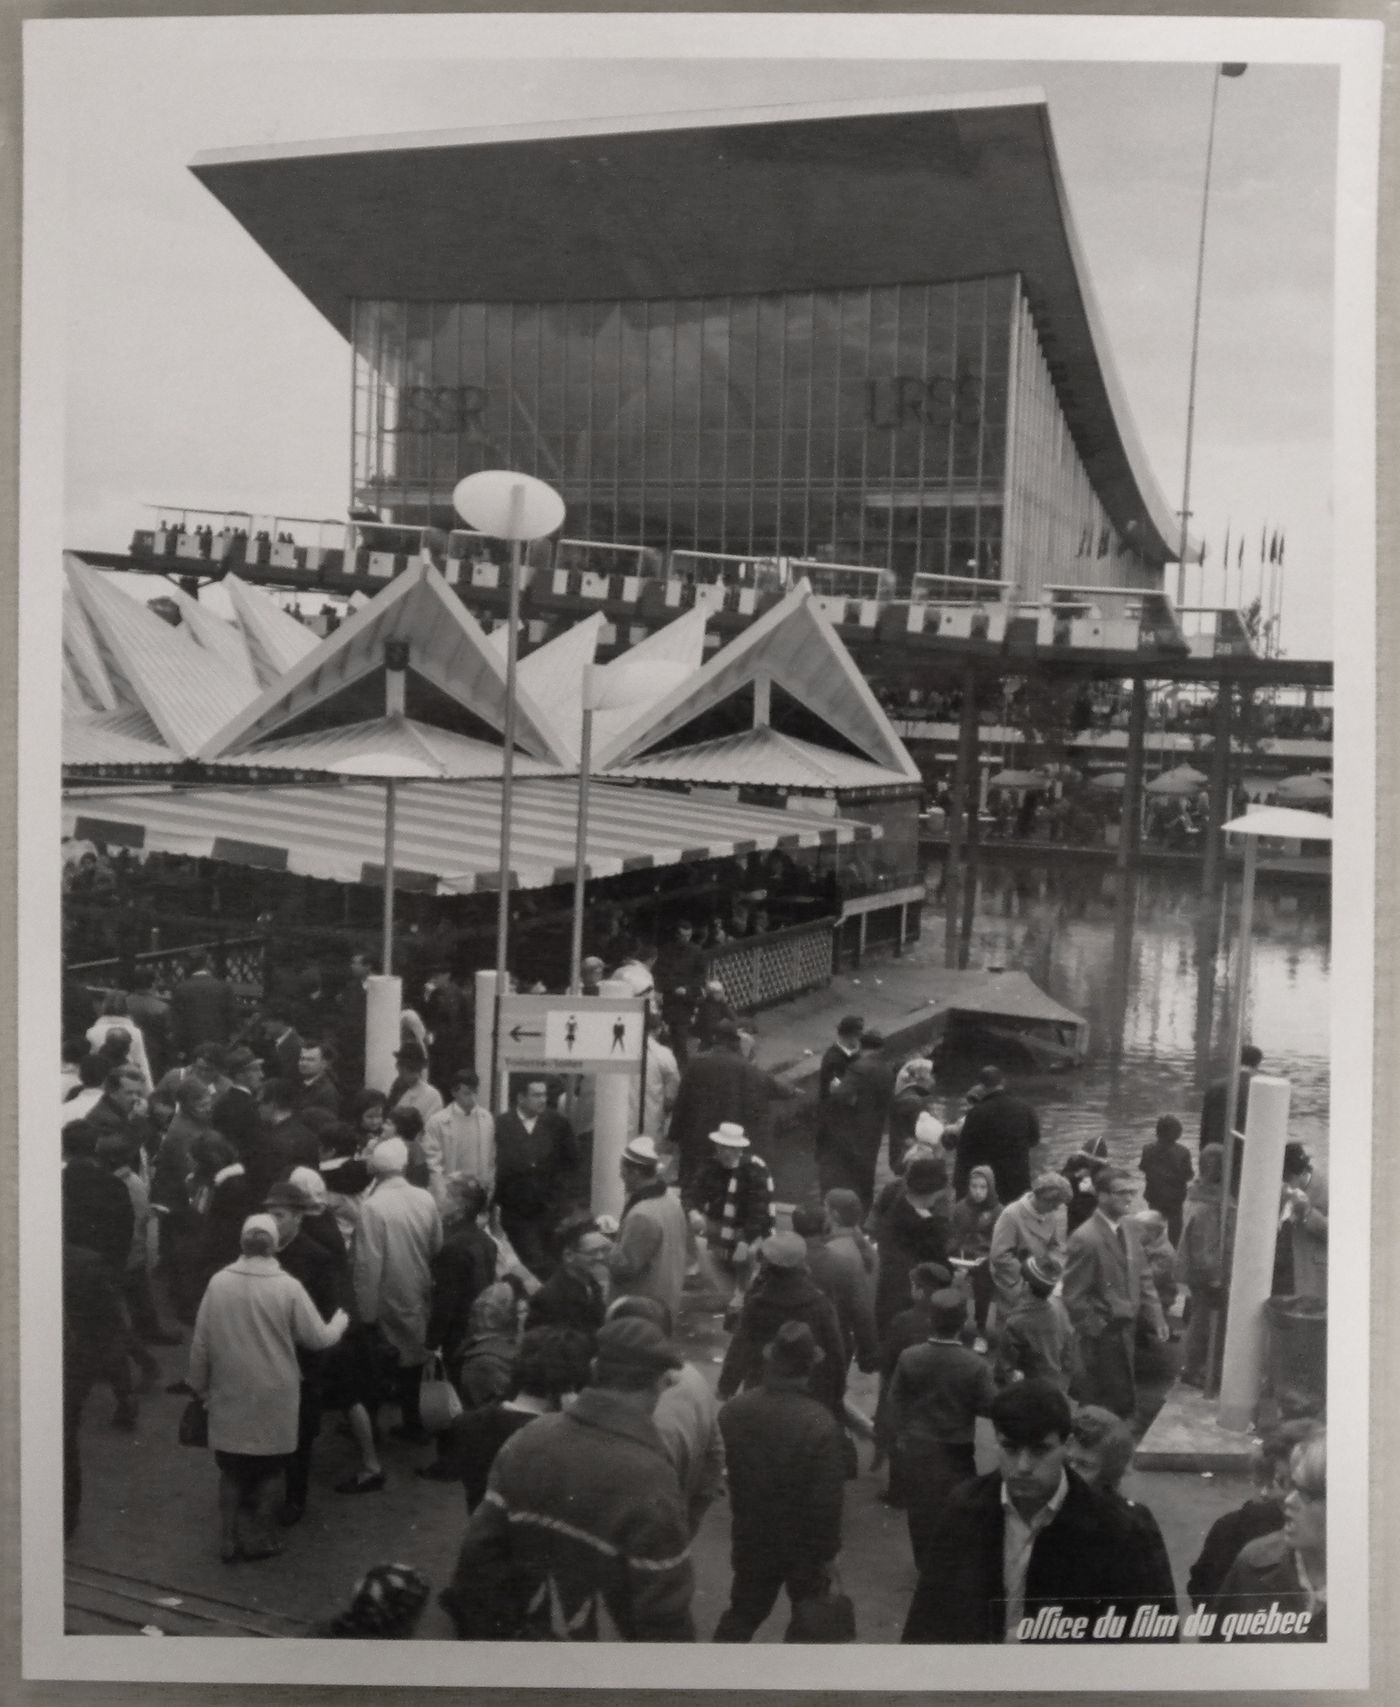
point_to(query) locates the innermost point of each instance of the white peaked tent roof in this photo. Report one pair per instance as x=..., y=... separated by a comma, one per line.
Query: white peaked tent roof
x=390, y=746
x=553, y=675
x=84, y=674
x=795, y=645
x=214, y=635
x=275, y=640
x=187, y=690
x=446, y=648
x=115, y=738
x=756, y=758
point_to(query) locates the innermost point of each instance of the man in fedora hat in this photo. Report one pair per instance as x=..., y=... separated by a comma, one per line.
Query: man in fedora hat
x=582, y=1536
x=784, y=1291
x=720, y=1087
x=649, y=1257
x=730, y=1199
x=784, y=1456
x=411, y=1088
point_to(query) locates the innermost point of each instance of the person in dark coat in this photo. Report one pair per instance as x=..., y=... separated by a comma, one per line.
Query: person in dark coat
x=536, y=1155
x=845, y=1282
x=839, y=1055
x=235, y=1114
x=938, y=1391
x=551, y=1365
x=851, y=1124
x=1071, y=1549
x=714, y=1008
x=910, y=1227
x=115, y=1110
x=315, y=1085
x=284, y=1141
x=449, y=1015
x=1109, y=1292
x=233, y=1197
x=327, y=1284
x=680, y=981
x=202, y=1009
x=583, y=1534
x=999, y=1131
x=910, y=1326
x=462, y=1269
x=717, y=1088
x=1079, y=1171
x=1101, y=1451
x=1165, y=1165
x=1261, y=1513
x=576, y=1294
x=152, y=1016
x=94, y=1336
x=1286, y=1572
x=1217, y=1093
x=914, y=1095
x=785, y=1467
x=784, y=1291
x=96, y=1206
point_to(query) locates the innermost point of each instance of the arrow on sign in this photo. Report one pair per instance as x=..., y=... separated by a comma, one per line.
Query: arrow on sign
x=518, y=1032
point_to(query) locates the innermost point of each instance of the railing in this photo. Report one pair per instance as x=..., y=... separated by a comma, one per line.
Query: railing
x=758, y=971
x=241, y=961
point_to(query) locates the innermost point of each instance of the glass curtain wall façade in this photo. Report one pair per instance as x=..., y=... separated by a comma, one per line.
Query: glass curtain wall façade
x=855, y=426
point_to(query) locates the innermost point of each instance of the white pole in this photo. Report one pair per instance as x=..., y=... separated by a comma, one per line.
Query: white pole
x=390, y=803
x=1195, y=350
x=1252, y=1267
x=485, y=1031
x=585, y=761
x=1240, y=1003
x=517, y=522
x=383, y=1001
x=612, y=1124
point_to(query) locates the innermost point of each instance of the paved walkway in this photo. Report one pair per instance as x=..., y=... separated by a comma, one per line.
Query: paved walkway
x=146, y=1549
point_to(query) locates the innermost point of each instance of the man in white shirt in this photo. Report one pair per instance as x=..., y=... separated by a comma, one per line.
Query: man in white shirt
x=636, y=972
x=461, y=1138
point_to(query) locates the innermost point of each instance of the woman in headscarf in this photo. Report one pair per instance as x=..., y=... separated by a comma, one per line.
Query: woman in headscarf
x=489, y=1352
x=243, y=1365
x=116, y=1017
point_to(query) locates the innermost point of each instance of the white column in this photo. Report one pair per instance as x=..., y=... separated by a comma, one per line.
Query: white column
x=612, y=1124
x=1256, y=1233
x=383, y=1003
x=489, y=1090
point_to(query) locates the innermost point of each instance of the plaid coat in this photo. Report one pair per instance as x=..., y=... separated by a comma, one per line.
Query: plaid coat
x=738, y=1200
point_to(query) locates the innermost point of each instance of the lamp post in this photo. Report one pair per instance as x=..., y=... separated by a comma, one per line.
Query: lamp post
x=1220, y=71
x=515, y=507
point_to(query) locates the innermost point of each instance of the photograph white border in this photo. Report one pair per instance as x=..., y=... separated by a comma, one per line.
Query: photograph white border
x=1354, y=48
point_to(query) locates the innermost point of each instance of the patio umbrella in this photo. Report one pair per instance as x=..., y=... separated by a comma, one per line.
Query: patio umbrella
x=1179, y=780
x=1309, y=787
x=1018, y=779
x=1114, y=780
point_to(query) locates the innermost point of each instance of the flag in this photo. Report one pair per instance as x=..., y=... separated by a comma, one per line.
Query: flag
x=1103, y=542
x=1273, y=546
x=1239, y=559
x=1202, y=558
x=1263, y=543
x=1225, y=555
x=1280, y=550
x=1083, y=544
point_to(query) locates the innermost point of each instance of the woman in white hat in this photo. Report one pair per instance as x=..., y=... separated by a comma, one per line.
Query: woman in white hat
x=243, y=1365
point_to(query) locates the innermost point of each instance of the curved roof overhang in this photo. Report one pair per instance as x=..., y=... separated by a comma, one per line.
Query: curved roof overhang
x=770, y=199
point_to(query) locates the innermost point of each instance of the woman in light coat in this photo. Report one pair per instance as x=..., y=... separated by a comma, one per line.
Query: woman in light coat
x=243, y=1365
x=115, y=1017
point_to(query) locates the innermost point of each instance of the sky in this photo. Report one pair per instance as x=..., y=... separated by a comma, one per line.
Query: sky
x=196, y=374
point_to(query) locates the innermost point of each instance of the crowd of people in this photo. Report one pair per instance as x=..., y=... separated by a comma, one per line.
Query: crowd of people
x=336, y=1251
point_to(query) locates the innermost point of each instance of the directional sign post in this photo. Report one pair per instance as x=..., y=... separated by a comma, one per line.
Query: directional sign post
x=587, y=1034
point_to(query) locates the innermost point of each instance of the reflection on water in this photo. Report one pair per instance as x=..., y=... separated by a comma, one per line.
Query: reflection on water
x=1147, y=960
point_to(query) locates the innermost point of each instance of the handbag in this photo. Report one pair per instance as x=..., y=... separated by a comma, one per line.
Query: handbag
x=438, y=1403
x=826, y=1617
x=194, y=1423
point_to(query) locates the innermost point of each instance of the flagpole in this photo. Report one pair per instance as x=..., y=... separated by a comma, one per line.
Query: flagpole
x=585, y=759
x=1220, y=71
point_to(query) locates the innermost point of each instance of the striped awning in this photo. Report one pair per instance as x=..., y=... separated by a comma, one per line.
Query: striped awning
x=447, y=833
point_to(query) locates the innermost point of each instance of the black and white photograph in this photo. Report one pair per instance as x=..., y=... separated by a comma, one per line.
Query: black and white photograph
x=696, y=800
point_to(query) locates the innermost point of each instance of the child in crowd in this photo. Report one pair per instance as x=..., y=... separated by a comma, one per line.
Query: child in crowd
x=1261, y=1513
x=1166, y=1169
x=970, y=1237
x=1037, y=1339
x=1160, y=1254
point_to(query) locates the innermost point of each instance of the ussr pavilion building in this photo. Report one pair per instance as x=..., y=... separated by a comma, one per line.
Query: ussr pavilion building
x=860, y=333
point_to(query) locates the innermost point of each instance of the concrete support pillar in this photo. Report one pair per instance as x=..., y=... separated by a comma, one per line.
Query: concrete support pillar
x=616, y=1096
x=1214, y=872
x=964, y=770
x=1252, y=1268
x=1130, y=831
x=383, y=1007
x=491, y=1092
